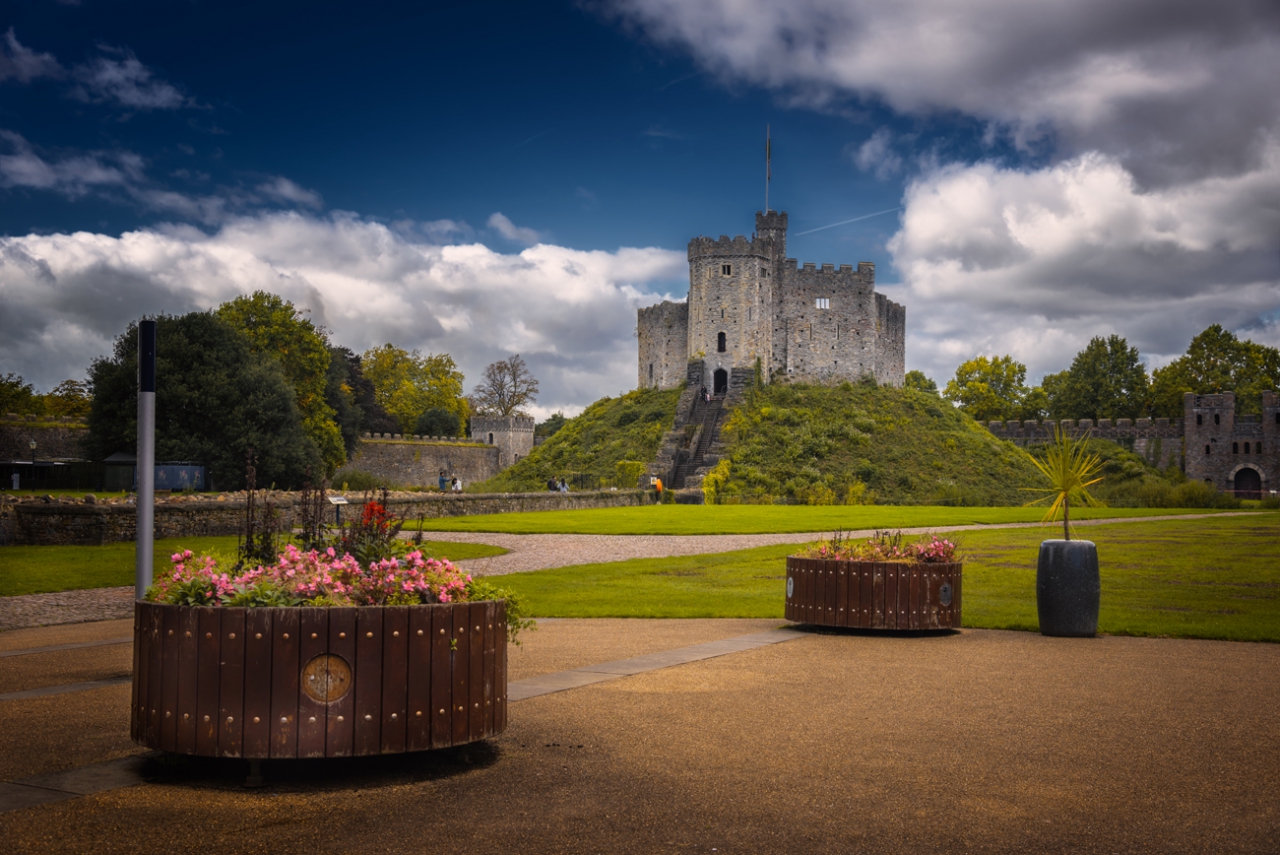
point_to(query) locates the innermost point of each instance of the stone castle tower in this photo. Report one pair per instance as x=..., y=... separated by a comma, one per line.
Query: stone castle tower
x=750, y=305
x=512, y=435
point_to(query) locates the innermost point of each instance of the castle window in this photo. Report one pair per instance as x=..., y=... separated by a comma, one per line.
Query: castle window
x=720, y=343
x=823, y=303
x=650, y=372
x=748, y=313
x=1215, y=419
x=491, y=439
x=722, y=314
x=726, y=269
x=1206, y=449
x=1235, y=448
x=1278, y=418
x=1199, y=419
x=1246, y=448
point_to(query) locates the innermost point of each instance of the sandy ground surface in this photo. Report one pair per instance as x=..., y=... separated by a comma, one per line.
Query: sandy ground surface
x=975, y=741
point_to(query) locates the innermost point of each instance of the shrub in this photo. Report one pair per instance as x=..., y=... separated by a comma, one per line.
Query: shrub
x=358, y=479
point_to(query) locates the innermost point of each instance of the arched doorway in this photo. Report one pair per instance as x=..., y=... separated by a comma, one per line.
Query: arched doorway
x=1248, y=483
x=720, y=381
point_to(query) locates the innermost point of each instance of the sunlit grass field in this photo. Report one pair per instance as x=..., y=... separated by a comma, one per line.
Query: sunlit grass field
x=757, y=519
x=1206, y=578
x=43, y=569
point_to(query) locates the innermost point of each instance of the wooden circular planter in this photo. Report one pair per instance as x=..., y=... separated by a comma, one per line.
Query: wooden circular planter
x=873, y=594
x=318, y=682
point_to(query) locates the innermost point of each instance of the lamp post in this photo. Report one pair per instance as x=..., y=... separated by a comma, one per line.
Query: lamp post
x=32, y=445
x=146, y=457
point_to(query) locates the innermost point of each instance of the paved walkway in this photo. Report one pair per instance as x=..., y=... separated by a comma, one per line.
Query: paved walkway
x=975, y=741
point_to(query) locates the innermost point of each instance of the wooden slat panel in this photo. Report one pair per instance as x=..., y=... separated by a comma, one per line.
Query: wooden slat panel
x=461, y=672
x=368, y=730
x=828, y=614
x=786, y=607
x=500, y=669
x=903, y=609
x=853, y=596
x=929, y=603
x=810, y=583
x=137, y=688
x=257, y=682
x=913, y=598
x=957, y=612
x=207, y=671
x=155, y=664
x=169, y=679
x=285, y=665
x=418, y=702
x=475, y=699
x=188, y=639
x=877, y=596
x=313, y=641
x=342, y=643
x=491, y=630
x=441, y=676
x=231, y=685
x=891, y=595
x=395, y=677
x=842, y=592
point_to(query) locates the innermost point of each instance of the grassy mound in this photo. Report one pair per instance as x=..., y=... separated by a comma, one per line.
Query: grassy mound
x=588, y=448
x=857, y=444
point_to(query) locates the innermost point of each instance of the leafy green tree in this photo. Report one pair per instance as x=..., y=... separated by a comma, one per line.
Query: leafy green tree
x=18, y=396
x=273, y=327
x=918, y=381
x=989, y=389
x=373, y=418
x=438, y=421
x=1106, y=380
x=69, y=398
x=215, y=400
x=341, y=398
x=1216, y=361
x=406, y=384
x=554, y=422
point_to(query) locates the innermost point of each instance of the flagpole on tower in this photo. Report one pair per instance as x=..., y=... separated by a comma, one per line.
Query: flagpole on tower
x=768, y=168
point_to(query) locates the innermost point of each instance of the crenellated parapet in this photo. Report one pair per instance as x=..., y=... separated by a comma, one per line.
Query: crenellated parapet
x=729, y=247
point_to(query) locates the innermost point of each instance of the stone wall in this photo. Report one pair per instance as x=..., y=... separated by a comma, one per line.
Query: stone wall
x=417, y=463
x=512, y=436
x=1221, y=443
x=77, y=523
x=1159, y=441
x=663, y=333
x=825, y=322
x=52, y=442
x=730, y=295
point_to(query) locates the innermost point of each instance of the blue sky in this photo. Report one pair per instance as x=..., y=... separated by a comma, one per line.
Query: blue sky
x=489, y=178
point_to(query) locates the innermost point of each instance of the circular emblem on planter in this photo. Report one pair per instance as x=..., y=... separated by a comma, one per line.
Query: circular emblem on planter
x=944, y=594
x=326, y=678
x=791, y=586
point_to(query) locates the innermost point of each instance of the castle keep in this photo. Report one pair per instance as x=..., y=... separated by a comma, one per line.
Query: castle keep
x=750, y=305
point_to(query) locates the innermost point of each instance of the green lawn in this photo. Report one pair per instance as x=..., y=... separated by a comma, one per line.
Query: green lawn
x=1212, y=578
x=41, y=569
x=756, y=519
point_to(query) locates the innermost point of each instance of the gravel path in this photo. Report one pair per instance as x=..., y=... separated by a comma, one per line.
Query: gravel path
x=528, y=552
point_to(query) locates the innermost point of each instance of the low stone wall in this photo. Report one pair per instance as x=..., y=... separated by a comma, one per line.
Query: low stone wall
x=52, y=442
x=417, y=463
x=68, y=523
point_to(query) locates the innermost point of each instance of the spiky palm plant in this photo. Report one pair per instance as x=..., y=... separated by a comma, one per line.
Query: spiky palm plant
x=1070, y=470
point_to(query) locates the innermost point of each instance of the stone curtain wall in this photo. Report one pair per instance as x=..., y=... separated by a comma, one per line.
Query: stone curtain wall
x=891, y=342
x=52, y=443
x=73, y=523
x=840, y=340
x=663, y=334
x=417, y=463
x=1159, y=441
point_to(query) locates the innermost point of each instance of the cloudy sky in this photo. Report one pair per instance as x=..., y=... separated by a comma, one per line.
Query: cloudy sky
x=491, y=178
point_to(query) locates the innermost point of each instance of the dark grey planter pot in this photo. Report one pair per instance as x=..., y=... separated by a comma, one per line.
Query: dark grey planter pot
x=1068, y=588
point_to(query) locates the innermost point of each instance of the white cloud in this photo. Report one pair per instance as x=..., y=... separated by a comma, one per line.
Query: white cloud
x=570, y=313
x=997, y=260
x=509, y=230
x=22, y=64
x=1179, y=87
x=281, y=189
x=127, y=82
x=876, y=155
x=71, y=176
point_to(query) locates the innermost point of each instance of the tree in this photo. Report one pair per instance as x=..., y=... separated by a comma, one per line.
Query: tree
x=918, y=381
x=438, y=421
x=69, y=398
x=406, y=384
x=274, y=328
x=363, y=397
x=1216, y=361
x=507, y=387
x=18, y=396
x=1069, y=468
x=989, y=389
x=1106, y=380
x=215, y=400
x=554, y=422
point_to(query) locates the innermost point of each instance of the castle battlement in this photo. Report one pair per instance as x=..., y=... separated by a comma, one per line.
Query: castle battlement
x=739, y=245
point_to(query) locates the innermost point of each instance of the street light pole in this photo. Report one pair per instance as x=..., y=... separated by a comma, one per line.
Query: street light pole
x=146, y=457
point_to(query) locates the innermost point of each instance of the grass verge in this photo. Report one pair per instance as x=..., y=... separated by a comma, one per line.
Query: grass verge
x=46, y=569
x=1208, y=578
x=757, y=519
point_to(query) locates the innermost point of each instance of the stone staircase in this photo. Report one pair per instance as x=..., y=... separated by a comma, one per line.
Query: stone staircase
x=707, y=418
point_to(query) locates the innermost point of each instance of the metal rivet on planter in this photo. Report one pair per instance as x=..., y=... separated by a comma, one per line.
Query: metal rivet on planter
x=188, y=634
x=232, y=635
x=393, y=716
x=208, y=635
x=342, y=635
x=312, y=720
x=284, y=719
x=368, y=718
x=441, y=712
x=313, y=635
x=206, y=718
x=167, y=714
x=477, y=627
x=256, y=720
x=186, y=716
x=368, y=635
x=171, y=632
x=442, y=632
x=418, y=713
x=257, y=635
x=419, y=632
x=286, y=636
x=395, y=634
x=340, y=718
x=230, y=719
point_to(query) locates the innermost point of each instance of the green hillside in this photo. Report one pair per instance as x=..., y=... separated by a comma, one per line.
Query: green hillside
x=854, y=443
x=588, y=448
